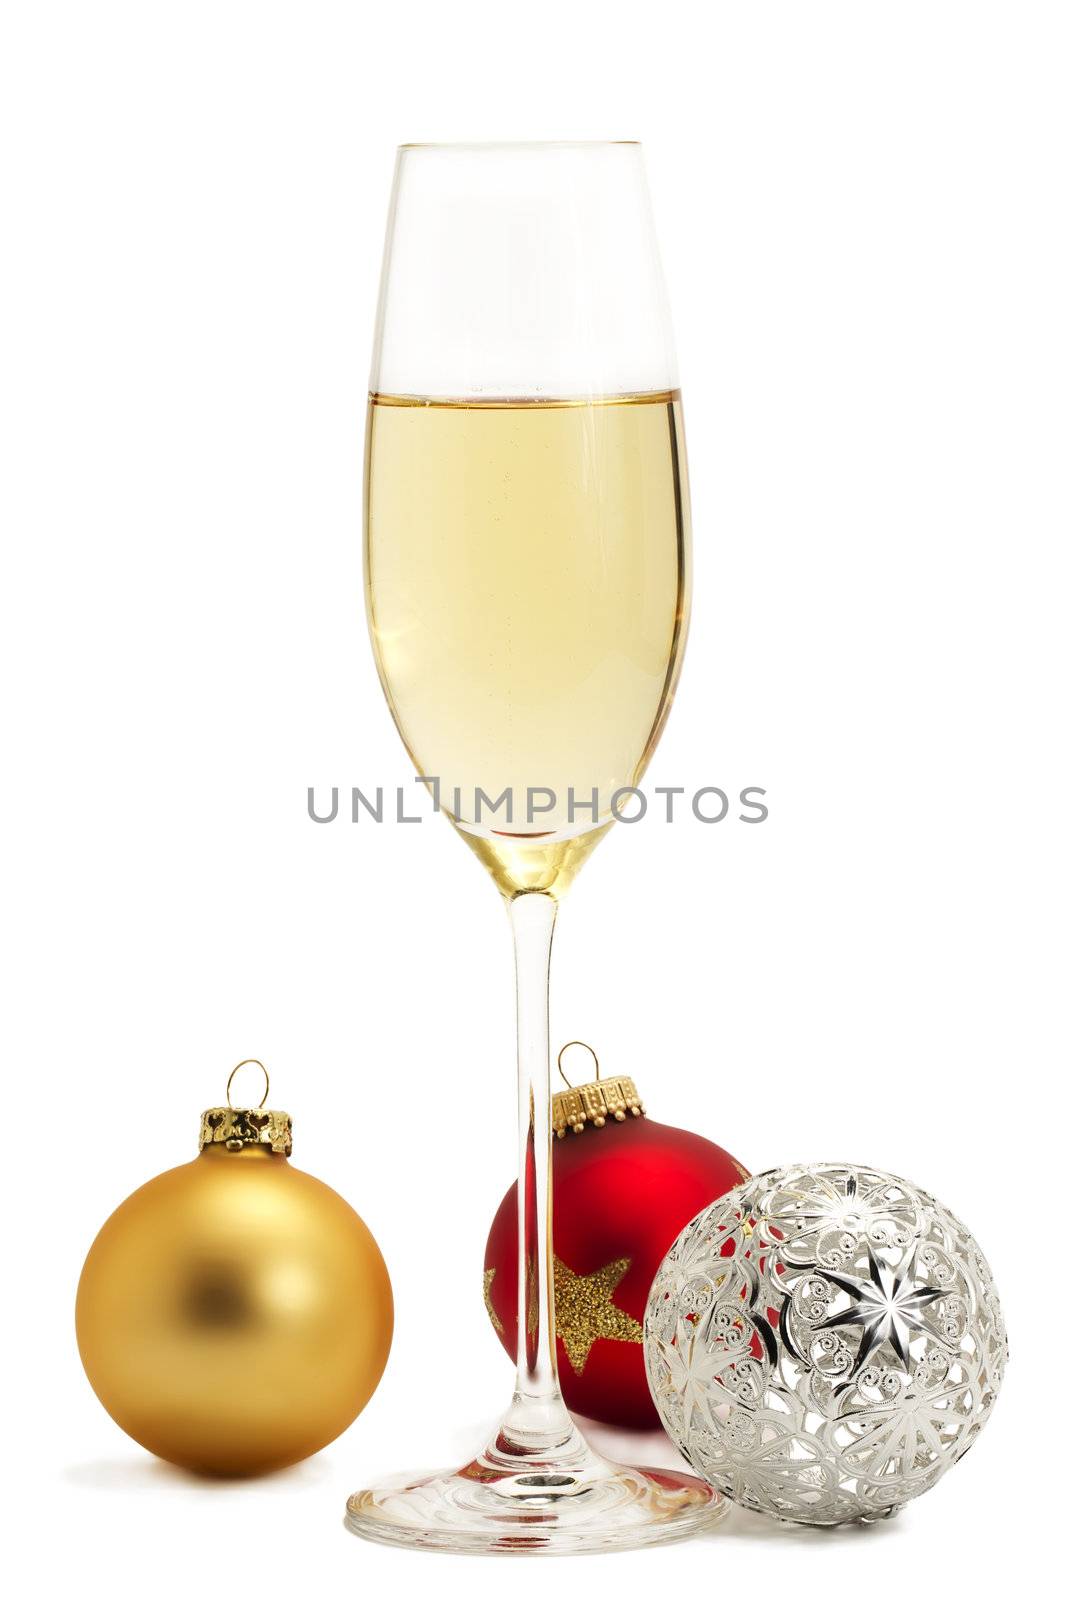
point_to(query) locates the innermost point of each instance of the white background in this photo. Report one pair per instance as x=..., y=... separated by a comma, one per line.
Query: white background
x=861, y=214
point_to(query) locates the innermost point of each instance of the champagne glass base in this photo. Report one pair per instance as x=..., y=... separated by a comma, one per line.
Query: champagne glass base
x=497, y=1505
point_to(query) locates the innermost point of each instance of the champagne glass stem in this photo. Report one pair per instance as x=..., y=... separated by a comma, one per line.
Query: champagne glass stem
x=537, y=1421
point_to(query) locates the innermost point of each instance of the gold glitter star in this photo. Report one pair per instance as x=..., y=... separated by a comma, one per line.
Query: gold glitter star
x=585, y=1311
x=487, y=1283
x=533, y=1310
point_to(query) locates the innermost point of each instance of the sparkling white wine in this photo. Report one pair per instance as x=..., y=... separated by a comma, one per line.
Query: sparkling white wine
x=526, y=570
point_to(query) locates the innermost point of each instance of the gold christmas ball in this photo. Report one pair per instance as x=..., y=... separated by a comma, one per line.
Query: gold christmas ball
x=234, y=1315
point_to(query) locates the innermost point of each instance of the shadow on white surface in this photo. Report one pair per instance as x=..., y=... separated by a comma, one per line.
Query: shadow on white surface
x=742, y=1524
x=126, y=1476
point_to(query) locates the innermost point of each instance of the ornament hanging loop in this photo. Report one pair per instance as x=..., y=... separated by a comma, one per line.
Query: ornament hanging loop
x=250, y=1061
x=238, y=1126
x=581, y=1045
x=597, y=1102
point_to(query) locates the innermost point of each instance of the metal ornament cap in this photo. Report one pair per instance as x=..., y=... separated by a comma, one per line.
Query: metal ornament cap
x=238, y=1126
x=824, y=1342
x=599, y=1102
x=609, y=1099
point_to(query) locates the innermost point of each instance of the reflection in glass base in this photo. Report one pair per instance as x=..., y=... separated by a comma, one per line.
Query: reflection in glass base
x=495, y=1505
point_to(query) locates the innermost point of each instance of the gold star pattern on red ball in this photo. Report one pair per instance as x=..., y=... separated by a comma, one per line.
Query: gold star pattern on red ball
x=487, y=1286
x=585, y=1311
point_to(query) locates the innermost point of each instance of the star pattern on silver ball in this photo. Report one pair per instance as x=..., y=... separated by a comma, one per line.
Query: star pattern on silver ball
x=888, y=1306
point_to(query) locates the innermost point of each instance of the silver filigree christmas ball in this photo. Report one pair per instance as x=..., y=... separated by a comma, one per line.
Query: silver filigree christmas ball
x=824, y=1342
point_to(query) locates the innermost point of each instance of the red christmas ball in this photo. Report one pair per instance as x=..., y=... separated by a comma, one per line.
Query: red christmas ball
x=622, y=1192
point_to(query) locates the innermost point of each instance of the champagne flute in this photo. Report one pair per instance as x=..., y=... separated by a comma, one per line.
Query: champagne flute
x=526, y=565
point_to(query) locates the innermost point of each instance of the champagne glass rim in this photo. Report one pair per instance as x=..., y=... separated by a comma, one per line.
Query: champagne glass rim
x=488, y=145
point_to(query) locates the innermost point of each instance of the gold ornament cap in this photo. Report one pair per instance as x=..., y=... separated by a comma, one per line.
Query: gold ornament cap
x=238, y=1126
x=600, y=1102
